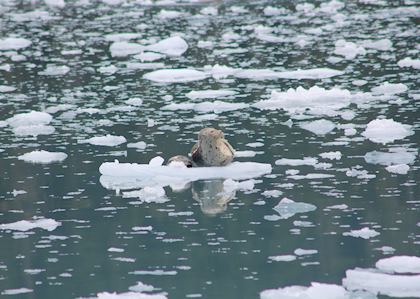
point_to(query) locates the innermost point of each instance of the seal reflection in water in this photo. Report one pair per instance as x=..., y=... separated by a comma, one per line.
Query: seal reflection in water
x=212, y=196
x=211, y=149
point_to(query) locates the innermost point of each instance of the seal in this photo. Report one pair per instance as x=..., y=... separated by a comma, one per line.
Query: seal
x=212, y=149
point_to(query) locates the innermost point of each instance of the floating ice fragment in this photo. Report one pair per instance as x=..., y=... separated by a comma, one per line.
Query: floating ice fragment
x=205, y=44
x=216, y=106
x=390, y=88
x=267, y=74
x=396, y=156
x=33, y=130
x=30, y=118
x=274, y=11
x=311, y=176
x=331, y=155
x=121, y=37
x=25, y=225
x=210, y=11
x=297, y=162
x=272, y=193
x=319, y=127
x=282, y=258
x=114, y=249
x=121, y=49
x=172, y=46
x=245, y=154
x=399, y=264
x=16, y=291
x=169, y=14
x=55, y=70
x=381, y=44
x=386, y=130
x=288, y=208
x=108, y=140
x=315, y=291
x=109, y=70
x=157, y=272
x=55, y=3
x=14, y=43
x=148, y=56
x=130, y=176
x=5, y=88
x=175, y=75
x=209, y=94
x=43, y=157
x=141, y=287
x=301, y=251
x=365, y=233
x=384, y=284
x=409, y=62
x=399, y=168
x=230, y=185
x=134, y=102
x=138, y=145
x=348, y=49
x=127, y=295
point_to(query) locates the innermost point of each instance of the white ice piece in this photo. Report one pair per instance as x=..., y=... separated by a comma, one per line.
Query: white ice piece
x=396, y=156
x=365, y=233
x=25, y=225
x=55, y=70
x=386, y=130
x=216, y=106
x=409, y=62
x=121, y=49
x=210, y=94
x=348, y=49
x=128, y=176
x=398, y=169
x=29, y=119
x=319, y=127
x=55, y=3
x=389, y=88
x=172, y=46
x=14, y=43
x=380, y=44
x=315, y=291
x=283, y=258
x=288, y=208
x=127, y=295
x=297, y=162
x=175, y=75
x=108, y=140
x=400, y=264
x=331, y=155
x=6, y=88
x=43, y=157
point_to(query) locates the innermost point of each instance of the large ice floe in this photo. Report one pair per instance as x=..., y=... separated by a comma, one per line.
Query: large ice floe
x=14, y=43
x=117, y=175
x=386, y=130
x=33, y=123
x=175, y=75
x=43, y=157
x=25, y=225
x=395, y=156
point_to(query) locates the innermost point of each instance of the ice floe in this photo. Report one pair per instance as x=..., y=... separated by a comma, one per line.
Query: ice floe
x=331, y=155
x=386, y=130
x=25, y=225
x=127, y=295
x=283, y=258
x=55, y=3
x=107, y=140
x=148, y=194
x=288, y=208
x=138, y=145
x=297, y=162
x=390, y=88
x=121, y=37
x=348, y=49
x=319, y=127
x=268, y=74
x=216, y=106
x=381, y=44
x=395, y=156
x=365, y=233
x=398, y=169
x=409, y=62
x=399, y=264
x=32, y=123
x=16, y=291
x=209, y=94
x=124, y=48
x=43, y=157
x=5, y=88
x=172, y=46
x=128, y=176
x=175, y=75
x=55, y=70
x=14, y=43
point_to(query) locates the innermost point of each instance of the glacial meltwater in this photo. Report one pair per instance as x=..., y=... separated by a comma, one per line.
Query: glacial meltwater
x=319, y=99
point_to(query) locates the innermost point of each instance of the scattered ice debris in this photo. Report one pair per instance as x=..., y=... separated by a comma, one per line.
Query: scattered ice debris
x=381, y=44
x=122, y=49
x=297, y=162
x=18, y=192
x=5, y=88
x=120, y=37
x=288, y=208
x=43, y=157
x=409, y=62
x=282, y=258
x=138, y=145
x=386, y=249
x=175, y=75
x=210, y=11
x=114, y=249
x=311, y=176
x=55, y=70
x=399, y=264
x=216, y=106
x=16, y=291
x=398, y=168
x=14, y=43
x=359, y=173
x=381, y=283
x=33, y=123
x=172, y=46
x=141, y=287
x=389, y=88
x=319, y=127
x=129, y=176
x=169, y=14
x=210, y=94
x=268, y=74
x=365, y=233
x=33, y=271
x=348, y=49
x=205, y=44
x=395, y=156
x=108, y=140
x=55, y=3
x=59, y=108
x=157, y=272
x=386, y=130
x=331, y=155
x=127, y=295
x=300, y=251
x=25, y=225
x=134, y=102
x=108, y=70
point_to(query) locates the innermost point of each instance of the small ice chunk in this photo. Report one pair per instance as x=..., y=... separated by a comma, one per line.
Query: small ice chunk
x=122, y=49
x=274, y=11
x=288, y=208
x=29, y=119
x=210, y=94
x=114, y=249
x=381, y=44
x=348, y=49
x=141, y=287
x=108, y=70
x=409, y=62
x=148, y=56
x=216, y=106
x=14, y=43
x=389, y=88
x=25, y=225
x=138, y=145
x=315, y=291
x=205, y=44
x=331, y=155
x=169, y=14
x=149, y=194
x=5, y=88
x=338, y=207
x=272, y=193
x=301, y=251
x=399, y=264
x=55, y=3
x=172, y=46
x=386, y=130
x=108, y=140
x=134, y=102
x=55, y=70
x=210, y=11
x=297, y=162
x=16, y=291
x=175, y=75
x=283, y=258
x=121, y=37
x=127, y=295
x=230, y=185
x=156, y=161
x=33, y=130
x=245, y=154
x=398, y=169
x=43, y=157
x=397, y=156
x=319, y=127
x=365, y=233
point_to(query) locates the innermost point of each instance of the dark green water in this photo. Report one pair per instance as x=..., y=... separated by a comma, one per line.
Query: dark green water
x=226, y=254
